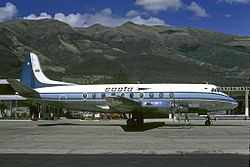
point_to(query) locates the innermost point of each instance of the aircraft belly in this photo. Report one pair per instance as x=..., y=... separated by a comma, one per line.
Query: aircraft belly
x=161, y=106
x=210, y=105
x=88, y=105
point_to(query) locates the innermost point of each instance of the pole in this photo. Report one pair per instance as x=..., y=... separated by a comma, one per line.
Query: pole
x=10, y=107
x=39, y=110
x=246, y=104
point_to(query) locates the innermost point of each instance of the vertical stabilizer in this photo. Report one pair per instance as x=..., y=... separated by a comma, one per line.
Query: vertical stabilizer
x=33, y=76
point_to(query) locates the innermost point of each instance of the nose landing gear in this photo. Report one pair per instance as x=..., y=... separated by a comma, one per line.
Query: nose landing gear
x=208, y=122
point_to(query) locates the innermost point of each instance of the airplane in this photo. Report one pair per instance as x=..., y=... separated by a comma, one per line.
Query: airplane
x=139, y=100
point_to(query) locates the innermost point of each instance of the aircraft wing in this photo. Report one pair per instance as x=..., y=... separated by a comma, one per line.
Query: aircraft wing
x=22, y=89
x=122, y=104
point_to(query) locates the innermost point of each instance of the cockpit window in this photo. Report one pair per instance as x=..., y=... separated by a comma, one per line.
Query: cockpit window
x=215, y=90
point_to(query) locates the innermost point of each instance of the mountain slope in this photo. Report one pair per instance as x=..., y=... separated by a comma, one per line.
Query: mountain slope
x=149, y=54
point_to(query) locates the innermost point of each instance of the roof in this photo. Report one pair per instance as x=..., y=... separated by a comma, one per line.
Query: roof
x=11, y=97
x=5, y=82
x=234, y=88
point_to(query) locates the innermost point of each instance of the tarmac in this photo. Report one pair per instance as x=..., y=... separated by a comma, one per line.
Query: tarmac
x=108, y=139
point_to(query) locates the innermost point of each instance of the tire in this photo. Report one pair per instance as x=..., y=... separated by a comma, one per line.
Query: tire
x=130, y=122
x=208, y=123
x=139, y=122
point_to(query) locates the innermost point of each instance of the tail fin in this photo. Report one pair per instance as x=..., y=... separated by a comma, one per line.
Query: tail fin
x=33, y=76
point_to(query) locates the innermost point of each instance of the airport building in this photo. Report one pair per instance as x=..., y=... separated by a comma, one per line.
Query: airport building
x=15, y=104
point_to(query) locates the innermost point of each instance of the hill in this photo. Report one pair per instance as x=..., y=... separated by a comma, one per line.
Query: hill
x=149, y=54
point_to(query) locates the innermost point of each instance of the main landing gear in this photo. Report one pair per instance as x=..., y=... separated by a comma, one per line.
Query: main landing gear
x=136, y=120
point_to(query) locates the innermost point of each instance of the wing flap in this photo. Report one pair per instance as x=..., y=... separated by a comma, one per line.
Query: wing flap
x=122, y=104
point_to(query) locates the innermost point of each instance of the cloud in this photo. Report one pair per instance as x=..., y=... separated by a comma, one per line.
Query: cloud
x=75, y=20
x=227, y=15
x=103, y=17
x=198, y=11
x=159, y=5
x=152, y=21
x=34, y=17
x=106, y=11
x=132, y=13
x=8, y=11
x=234, y=1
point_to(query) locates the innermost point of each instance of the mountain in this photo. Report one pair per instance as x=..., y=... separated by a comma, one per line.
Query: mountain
x=149, y=54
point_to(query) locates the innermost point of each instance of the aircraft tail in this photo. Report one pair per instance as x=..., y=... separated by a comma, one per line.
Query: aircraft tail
x=33, y=76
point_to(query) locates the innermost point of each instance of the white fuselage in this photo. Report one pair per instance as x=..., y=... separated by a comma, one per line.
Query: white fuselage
x=150, y=96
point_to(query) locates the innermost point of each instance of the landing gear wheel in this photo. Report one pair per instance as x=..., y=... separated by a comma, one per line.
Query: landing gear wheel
x=131, y=122
x=139, y=122
x=208, y=123
x=136, y=120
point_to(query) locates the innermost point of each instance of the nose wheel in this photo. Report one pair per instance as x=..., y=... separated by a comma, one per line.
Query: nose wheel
x=208, y=122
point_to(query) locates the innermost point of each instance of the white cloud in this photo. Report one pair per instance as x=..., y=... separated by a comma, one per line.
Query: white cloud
x=152, y=21
x=75, y=20
x=159, y=5
x=106, y=11
x=132, y=13
x=8, y=11
x=227, y=15
x=234, y=1
x=34, y=17
x=109, y=20
x=198, y=11
x=104, y=17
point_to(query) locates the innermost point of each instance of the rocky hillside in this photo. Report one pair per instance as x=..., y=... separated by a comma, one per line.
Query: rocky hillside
x=149, y=54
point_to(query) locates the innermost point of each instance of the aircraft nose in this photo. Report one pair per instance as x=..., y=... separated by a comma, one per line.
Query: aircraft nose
x=234, y=105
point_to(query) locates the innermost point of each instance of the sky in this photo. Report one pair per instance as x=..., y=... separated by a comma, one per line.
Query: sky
x=227, y=16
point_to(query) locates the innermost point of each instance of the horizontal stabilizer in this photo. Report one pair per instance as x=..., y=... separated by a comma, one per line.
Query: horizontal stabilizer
x=22, y=89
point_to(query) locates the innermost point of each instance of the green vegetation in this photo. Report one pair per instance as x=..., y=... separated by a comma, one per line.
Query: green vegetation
x=151, y=54
x=3, y=106
x=68, y=115
x=120, y=78
x=33, y=108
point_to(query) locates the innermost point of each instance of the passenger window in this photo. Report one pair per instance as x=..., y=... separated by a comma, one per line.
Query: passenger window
x=123, y=95
x=161, y=95
x=94, y=95
x=151, y=95
x=141, y=95
x=171, y=95
x=84, y=96
x=131, y=95
x=103, y=95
